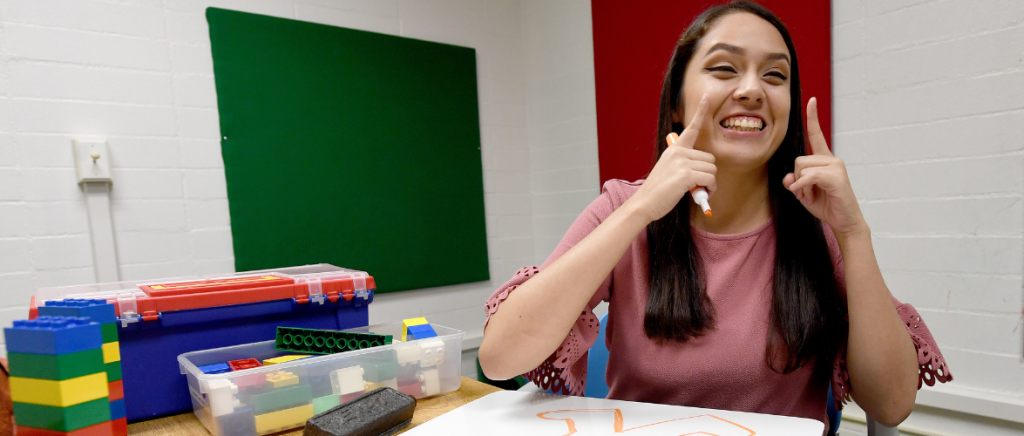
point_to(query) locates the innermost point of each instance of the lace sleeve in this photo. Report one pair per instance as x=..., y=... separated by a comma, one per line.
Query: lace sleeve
x=932, y=365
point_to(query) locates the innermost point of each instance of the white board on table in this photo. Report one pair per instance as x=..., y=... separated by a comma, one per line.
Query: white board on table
x=514, y=413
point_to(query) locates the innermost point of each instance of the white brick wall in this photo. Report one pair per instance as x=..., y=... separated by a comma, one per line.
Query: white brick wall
x=928, y=97
x=139, y=74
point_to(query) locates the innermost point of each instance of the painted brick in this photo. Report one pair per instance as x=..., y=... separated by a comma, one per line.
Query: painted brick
x=848, y=40
x=192, y=59
x=140, y=215
x=999, y=373
x=975, y=176
x=10, y=185
x=562, y=203
x=201, y=153
x=848, y=77
x=196, y=91
x=61, y=277
x=506, y=181
x=198, y=123
x=89, y=48
x=45, y=80
x=963, y=292
x=205, y=184
x=151, y=247
x=8, y=154
x=57, y=218
x=552, y=225
x=158, y=270
x=44, y=151
x=275, y=8
x=59, y=252
x=97, y=16
x=187, y=27
x=203, y=214
x=1000, y=255
x=73, y=117
x=931, y=102
x=51, y=184
x=348, y=19
x=847, y=11
x=13, y=220
x=925, y=22
x=14, y=287
x=575, y=179
x=988, y=333
x=211, y=244
x=145, y=152
x=960, y=216
x=150, y=184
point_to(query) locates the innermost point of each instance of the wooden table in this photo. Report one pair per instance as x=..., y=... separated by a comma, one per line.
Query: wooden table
x=426, y=409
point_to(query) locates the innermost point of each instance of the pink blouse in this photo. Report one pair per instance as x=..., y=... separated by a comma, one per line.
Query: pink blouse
x=725, y=368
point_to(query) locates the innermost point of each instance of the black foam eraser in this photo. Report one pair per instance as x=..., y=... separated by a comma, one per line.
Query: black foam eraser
x=380, y=412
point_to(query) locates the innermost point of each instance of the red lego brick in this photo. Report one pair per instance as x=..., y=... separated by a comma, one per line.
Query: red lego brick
x=105, y=428
x=120, y=427
x=116, y=389
x=238, y=365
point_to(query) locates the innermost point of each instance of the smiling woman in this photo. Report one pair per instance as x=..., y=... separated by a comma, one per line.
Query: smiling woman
x=761, y=307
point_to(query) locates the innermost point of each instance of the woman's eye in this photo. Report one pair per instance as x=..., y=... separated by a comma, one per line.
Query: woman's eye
x=777, y=75
x=721, y=69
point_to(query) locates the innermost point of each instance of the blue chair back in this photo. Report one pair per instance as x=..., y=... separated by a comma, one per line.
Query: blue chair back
x=597, y=386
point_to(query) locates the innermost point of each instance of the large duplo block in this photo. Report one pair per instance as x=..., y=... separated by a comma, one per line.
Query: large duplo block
x=62, y=393
x=281, y=398
x=56, y=366
x=283, y=419
x=98, y=311
x=62, y=418
x=53, y=335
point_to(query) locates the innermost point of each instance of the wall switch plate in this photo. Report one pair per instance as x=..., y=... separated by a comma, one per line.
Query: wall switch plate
x=92, y=161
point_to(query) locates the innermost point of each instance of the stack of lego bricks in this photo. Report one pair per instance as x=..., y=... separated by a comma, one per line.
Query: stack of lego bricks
x=105, y=314
x=58, y=380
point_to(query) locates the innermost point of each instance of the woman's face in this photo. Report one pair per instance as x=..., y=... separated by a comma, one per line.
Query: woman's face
x=743, y=65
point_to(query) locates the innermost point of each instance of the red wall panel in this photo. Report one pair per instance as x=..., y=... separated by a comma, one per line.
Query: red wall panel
x=633, y=42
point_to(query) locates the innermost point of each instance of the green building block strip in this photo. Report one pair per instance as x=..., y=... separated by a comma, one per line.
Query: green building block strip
x=281, y=398
x=376, y=372
x=56, y=367
x=109, y=332
x=62, y=419
x=313, y=341
x=323, y=404
x=113, y=371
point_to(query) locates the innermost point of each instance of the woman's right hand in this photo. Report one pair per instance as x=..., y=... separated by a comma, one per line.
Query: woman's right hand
x=679, y=169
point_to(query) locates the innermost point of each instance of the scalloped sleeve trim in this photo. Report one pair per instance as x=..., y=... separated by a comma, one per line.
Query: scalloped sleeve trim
x=565, y=371
x=932, y=366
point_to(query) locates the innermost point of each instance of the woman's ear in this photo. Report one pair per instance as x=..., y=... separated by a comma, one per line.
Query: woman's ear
x=676, y=118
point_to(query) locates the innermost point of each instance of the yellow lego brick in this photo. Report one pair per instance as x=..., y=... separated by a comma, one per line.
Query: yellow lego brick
x=283, y=419
x=283, y=359
x=282, y=378
x=391, y=382
x=406, y=323
x=111, y=352
x=59, y=393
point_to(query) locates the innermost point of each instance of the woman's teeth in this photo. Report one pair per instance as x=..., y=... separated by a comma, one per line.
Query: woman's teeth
x=743, y=124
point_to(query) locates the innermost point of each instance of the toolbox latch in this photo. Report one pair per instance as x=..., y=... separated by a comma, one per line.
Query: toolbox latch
x=128, y=309
x=314, y=287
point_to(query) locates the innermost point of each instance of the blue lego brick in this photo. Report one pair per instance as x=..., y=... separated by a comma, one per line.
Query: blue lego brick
x=97, y=310
x=319, y=378
x=53, y=335
x=421, y=331
x=217, y=368
x=117, y=410
x=241, y=422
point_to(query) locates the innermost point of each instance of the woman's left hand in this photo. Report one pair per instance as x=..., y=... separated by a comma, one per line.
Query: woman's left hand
x=821, y=184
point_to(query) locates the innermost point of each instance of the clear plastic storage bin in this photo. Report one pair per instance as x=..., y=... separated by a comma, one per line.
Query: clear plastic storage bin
x=271, y=398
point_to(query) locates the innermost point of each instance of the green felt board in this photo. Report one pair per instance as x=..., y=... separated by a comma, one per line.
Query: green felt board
x=352, y=148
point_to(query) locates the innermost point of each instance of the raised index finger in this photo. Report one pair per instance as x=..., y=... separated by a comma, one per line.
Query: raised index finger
x=692, y=130
x=814, y=136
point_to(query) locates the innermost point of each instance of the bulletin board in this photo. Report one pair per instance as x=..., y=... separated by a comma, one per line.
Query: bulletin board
x=352, y=148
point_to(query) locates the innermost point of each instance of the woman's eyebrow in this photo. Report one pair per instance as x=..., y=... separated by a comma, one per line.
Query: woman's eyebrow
x=741, y=51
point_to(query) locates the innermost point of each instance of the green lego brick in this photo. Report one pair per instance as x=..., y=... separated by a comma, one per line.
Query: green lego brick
x=109, y=332
x=56, y=367
x=62, y=419
x=281, y=398
x=311, y=341
x=323, y=404
x=378, y=371
x=113, y=371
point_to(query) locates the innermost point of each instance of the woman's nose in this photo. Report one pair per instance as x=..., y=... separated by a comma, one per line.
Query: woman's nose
x=749, y=89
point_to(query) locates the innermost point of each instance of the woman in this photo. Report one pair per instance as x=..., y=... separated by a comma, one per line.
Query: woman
x=757, y=308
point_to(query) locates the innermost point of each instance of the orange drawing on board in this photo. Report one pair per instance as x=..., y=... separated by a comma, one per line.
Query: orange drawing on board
x=709, y=425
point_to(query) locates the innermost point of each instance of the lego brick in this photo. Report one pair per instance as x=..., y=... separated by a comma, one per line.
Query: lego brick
x=250, y=381
x=113, y=370
x=111, y=352
x=216, y=368
x=56, y=366
x=407, y=354
x=221, y=395
x=383, y=411
x=120, y=427
x=116, y=389
x=53, y=335
x=109, y=332
x=349, y=397
x=283, y=359
x=59, y=393
x=105, y=428
x=348, y=380
x=241, y=422
x=389, y=383
x=430, y=384
x=318, y=376
x=281, y=398
x=279, y=379
x=424, y=331
x=431, y=353
x=324, y=341
x=283, y=419
x=406, y=323
x=99, y=311
x=375, y=372
x=322, y=404
x=117, y=410
x=238, y=365
x=62, y=418
x=410, y=388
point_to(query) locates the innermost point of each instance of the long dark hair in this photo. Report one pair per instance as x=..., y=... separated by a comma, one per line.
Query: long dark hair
x=807, y=313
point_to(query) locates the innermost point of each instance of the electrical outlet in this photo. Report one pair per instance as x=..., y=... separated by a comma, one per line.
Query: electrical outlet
x=92, y=161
